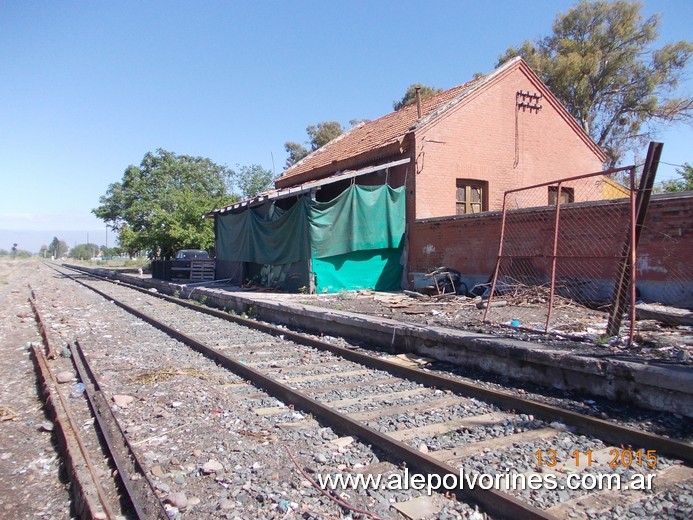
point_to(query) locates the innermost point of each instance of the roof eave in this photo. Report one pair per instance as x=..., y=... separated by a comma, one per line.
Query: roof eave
x=389, y=150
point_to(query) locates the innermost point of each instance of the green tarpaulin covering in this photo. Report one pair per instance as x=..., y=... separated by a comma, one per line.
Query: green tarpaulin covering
x=266, y=235
x=355, y=240
x=379, y=269
x=359, y=219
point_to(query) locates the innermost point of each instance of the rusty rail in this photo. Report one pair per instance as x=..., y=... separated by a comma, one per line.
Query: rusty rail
x=87, y=491
x=141, y=491
x=90, y=499
x=585, y=424
x=48, y=344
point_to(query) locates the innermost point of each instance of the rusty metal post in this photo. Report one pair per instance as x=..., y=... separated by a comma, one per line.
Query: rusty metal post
x=642, y=202
x=633, y=258
x=554, y=255
x=498, y=260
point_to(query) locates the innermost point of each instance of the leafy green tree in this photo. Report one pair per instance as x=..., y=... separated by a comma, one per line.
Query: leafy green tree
x=685, y=183
x=252, y=180
x=600, y=63
x=160, y=203
x=58, y=248
x=409, y=97
x=83, y=251
x=130, y=242
x=110, y=251
x=296, y=152
x=356, y=122
x=323, y=133
x=318, y=135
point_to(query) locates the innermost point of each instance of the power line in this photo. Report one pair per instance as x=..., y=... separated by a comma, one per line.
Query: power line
x=670, y=164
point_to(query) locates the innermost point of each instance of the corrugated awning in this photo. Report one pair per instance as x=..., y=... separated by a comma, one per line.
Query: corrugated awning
x=302, y=188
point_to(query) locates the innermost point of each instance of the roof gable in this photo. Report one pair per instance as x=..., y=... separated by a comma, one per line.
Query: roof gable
x=384, y=136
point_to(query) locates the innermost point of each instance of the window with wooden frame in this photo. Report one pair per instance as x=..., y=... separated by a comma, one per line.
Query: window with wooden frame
x=567, y=195
x=472, y=196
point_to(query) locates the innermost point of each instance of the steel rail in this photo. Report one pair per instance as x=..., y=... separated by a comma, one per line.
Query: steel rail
x=70, y=432
x=140, y=492
x=50, y=349
x=605, y=430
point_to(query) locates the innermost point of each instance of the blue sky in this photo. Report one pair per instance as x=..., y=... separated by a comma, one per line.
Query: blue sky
x=89, y=87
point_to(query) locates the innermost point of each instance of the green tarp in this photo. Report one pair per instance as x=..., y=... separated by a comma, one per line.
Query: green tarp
x=379, y=270
x=266, y=235
x=361, y=218
x=354, y=240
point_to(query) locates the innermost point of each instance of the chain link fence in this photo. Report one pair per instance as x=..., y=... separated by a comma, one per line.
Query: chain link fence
x=564, y=247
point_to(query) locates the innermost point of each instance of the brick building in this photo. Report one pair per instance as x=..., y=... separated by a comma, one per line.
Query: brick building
x=455, y=153
x=442, y=161
x=466, y=146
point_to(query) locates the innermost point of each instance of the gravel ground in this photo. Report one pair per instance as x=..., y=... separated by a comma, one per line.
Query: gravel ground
x=491, y=463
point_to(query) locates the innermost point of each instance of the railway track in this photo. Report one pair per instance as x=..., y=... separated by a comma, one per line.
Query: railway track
x=525, y=457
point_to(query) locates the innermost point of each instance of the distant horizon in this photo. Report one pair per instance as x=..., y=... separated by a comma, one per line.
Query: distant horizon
x=32, y=239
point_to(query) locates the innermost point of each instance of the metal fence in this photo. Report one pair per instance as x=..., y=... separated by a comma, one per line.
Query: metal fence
x=564, y=244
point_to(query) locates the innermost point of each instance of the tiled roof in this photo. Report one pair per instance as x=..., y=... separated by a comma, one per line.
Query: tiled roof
x=373, y=135
x=384, y=136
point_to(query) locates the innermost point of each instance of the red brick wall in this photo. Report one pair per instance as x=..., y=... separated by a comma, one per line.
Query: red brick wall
x=470, y=243
x=477, y=140
x=666, y=244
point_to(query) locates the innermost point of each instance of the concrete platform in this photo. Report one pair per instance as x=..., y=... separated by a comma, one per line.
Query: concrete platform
x=665, y=387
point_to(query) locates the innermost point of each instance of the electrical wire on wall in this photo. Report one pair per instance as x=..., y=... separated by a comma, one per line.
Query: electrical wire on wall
x=525, y=101
x=517, y=135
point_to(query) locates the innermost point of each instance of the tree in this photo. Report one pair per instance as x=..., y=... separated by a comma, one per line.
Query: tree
x=323, y=133
x=109, y=252
x=43, y=251
x=83, y=251
x=683, y=184
x=128, y=242
x=357, y=122
x=296, y=152
x=600, y=63
x=160, y=203
x=409, y=97
x=319, y=135
x=58, y=248
x=252, y=180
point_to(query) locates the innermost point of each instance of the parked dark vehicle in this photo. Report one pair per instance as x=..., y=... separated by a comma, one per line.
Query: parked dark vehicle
x=189, y=254
x=192, y=264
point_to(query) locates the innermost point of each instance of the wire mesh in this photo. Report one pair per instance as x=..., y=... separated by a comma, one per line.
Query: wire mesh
x=562, y=247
